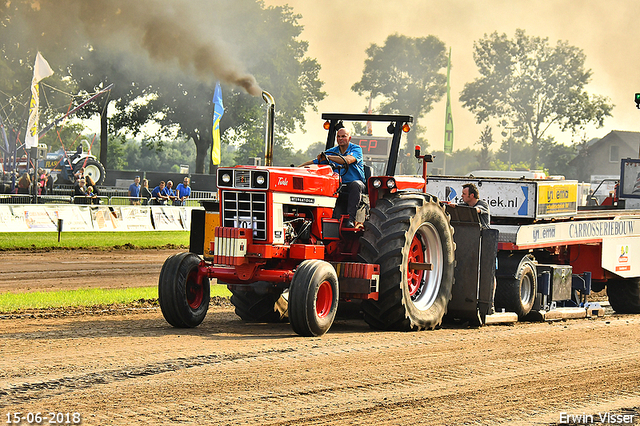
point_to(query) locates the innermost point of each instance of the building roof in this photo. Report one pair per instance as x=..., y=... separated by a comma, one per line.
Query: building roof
x=631, y=139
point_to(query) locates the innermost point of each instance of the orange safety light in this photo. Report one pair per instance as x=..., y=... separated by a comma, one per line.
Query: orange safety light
x=406, y=127
x=326, y=125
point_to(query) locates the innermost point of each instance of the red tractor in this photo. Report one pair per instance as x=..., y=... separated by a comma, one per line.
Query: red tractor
x=272, y=240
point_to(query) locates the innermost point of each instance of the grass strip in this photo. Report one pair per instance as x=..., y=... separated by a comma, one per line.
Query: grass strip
x=105, y=240
x=12, y=302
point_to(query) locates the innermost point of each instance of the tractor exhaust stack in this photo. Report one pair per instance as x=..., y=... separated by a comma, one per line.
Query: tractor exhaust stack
x=271, y=119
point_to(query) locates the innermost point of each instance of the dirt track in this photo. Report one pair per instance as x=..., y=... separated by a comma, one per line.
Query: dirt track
x=130, y=367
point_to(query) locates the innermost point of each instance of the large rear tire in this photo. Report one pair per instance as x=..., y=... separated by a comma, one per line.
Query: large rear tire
x=404, y=229
x=183, y=300
x=252, y=306
x=624, y=295
x=92, y=168
x=516, y=285
x=313, y=298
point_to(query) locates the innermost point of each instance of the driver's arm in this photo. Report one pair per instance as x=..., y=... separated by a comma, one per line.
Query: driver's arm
x=319, y=160
x=336, y=159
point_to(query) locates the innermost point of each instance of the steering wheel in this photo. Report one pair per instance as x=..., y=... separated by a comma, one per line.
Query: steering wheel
x=343, y=168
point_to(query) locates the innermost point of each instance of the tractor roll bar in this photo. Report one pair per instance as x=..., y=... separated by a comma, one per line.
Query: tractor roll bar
x=395, y=129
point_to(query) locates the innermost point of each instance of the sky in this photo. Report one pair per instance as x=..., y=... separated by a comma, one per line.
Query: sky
x=340, y=31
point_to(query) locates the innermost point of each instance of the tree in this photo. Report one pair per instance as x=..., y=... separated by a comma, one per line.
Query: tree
x=534, y=85
x=406, y=72
x=165, y=61
x=267, y=40
x=485, y=141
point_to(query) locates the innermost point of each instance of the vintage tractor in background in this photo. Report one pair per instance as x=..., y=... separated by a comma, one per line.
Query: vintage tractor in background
x=65, y=164
x=272, y=240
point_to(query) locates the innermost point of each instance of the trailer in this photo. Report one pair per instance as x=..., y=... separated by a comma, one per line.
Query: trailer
x=553, y=249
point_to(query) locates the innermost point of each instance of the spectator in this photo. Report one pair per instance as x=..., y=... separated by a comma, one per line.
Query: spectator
x=145, y=194
x=170, y=192
x=94, y=189
x=80, y=192
x=79, y=174
x=91, y=196
x=134, y=191
x=183, y=191
x=42, y=182
x=159, y=194
x=49, y=184
x=24, y=183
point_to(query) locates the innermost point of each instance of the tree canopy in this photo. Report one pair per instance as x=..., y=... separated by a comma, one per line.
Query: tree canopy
x=165, y=61
x=533, y=85
x=409, y=74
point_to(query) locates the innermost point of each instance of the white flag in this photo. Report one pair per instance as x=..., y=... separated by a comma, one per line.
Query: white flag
x=41, y=69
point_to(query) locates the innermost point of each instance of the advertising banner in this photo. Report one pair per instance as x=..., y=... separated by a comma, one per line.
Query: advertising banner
x=166, y=218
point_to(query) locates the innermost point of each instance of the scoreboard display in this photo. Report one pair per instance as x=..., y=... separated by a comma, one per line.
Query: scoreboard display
x=373, y=146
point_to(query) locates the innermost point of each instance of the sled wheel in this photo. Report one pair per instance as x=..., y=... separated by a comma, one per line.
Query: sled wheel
x=184, y=300
x=252, y=306
x=624, y=295
x=313, y=298
x=406, y=229
x=517, y=291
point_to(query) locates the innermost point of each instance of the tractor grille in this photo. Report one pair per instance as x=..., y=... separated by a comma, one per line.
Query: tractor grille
x=242, y=179
x=245, y=210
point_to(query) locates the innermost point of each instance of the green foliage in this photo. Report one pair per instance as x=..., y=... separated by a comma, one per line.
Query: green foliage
x=533, y=85
x=458, y=163
x=15, y=302
x=406, y=72
x=485, y=141
x=267, y=40
x=142, y=239
x=131, y=154
x=164, y=72
x=69, y=135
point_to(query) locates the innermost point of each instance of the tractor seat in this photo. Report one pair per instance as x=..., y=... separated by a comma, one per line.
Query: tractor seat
x=368, y=171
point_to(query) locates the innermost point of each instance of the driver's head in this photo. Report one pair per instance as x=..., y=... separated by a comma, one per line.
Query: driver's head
x=343, y=137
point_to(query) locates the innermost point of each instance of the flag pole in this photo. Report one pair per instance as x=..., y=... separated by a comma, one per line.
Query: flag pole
x=448, y=121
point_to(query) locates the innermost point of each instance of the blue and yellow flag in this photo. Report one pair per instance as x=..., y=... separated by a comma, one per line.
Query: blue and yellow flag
x=218, y=112
x=448, y=121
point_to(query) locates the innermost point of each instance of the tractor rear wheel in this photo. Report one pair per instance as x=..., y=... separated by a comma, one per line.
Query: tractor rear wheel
x=516, y=285
x=313, y=298
x=624, y=295
x=92, y=168
x=252, y=306
x=405, y=233
x=184, y=299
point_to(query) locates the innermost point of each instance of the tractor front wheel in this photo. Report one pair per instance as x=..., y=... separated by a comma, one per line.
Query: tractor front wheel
x=183, y=296
x=313, y=298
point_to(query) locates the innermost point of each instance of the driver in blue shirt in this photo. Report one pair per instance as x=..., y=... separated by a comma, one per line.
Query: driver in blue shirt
x=353, y=178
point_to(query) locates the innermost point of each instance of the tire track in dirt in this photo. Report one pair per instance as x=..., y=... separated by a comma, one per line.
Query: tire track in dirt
x=494, y=375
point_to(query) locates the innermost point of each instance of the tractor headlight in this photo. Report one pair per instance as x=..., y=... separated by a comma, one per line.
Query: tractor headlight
x=225, y=178
x=377, y=183
x=259, y=179
x=391, y=183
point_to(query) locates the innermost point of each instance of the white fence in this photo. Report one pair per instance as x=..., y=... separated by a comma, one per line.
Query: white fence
x=44, y=218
